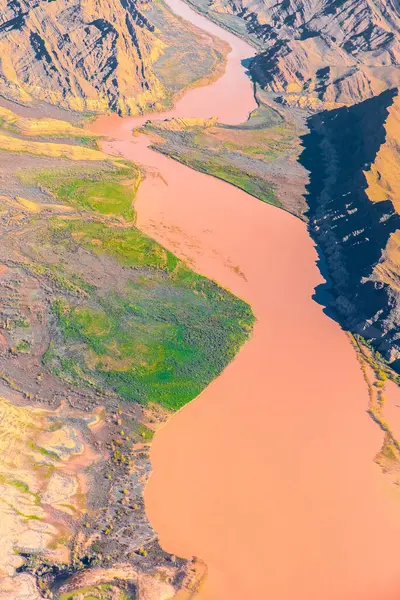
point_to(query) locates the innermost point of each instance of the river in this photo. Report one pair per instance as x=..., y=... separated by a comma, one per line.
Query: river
x=268, y=475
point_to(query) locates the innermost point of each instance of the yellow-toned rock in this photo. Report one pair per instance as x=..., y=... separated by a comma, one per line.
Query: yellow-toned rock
x=92, y=55
x=320, y=53
x=384, y=175
x=41, y=464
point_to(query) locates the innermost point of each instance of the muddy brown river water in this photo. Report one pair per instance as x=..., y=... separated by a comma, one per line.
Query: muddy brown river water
x=268, y=475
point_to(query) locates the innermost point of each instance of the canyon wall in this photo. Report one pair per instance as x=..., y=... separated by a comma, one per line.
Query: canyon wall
x=353, y=198
x=339, y=60
x=317, y=53
x=90, y=55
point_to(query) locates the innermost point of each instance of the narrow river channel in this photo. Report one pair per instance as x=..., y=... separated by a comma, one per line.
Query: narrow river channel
x=268, y=475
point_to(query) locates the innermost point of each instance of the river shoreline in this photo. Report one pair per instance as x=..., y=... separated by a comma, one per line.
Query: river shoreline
x=268, y=475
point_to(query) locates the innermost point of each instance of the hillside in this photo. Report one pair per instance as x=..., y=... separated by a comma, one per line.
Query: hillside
x=120, y=55
x=318, y=53
x=354, y=213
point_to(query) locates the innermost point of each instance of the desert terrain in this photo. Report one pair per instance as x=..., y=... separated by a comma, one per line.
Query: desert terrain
x=199, y=215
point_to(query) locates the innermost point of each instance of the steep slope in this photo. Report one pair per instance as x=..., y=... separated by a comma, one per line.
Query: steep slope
x=319, y=52
x=354, y=213
x=94, y=55
x=384, y=175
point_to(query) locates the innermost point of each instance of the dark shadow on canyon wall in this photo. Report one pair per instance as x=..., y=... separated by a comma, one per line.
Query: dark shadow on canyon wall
x=351, y=231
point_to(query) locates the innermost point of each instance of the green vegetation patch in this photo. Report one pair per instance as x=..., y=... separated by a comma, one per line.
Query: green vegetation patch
x=24, y=346
x=247, y=181
x=70, y=282
x=108, y=191
x=128, y=246
x=163, y=339
x=44, y=451
x=146, y=433
x=103, y=591
x=237, y=154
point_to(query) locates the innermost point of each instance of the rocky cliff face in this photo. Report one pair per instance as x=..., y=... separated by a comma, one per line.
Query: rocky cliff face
x=340, y=58
x=318, y=53
x=87, y=54
x=78, y=54
x=354, y=213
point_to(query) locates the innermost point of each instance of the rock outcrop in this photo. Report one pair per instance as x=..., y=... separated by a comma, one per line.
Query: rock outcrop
x=318, y=53
x=88, y=54
x=354, y=214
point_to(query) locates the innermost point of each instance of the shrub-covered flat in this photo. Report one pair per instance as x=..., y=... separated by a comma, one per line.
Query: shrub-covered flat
x=125, y=315
x=109, y=191
x=150, y=329
x=162, y=338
